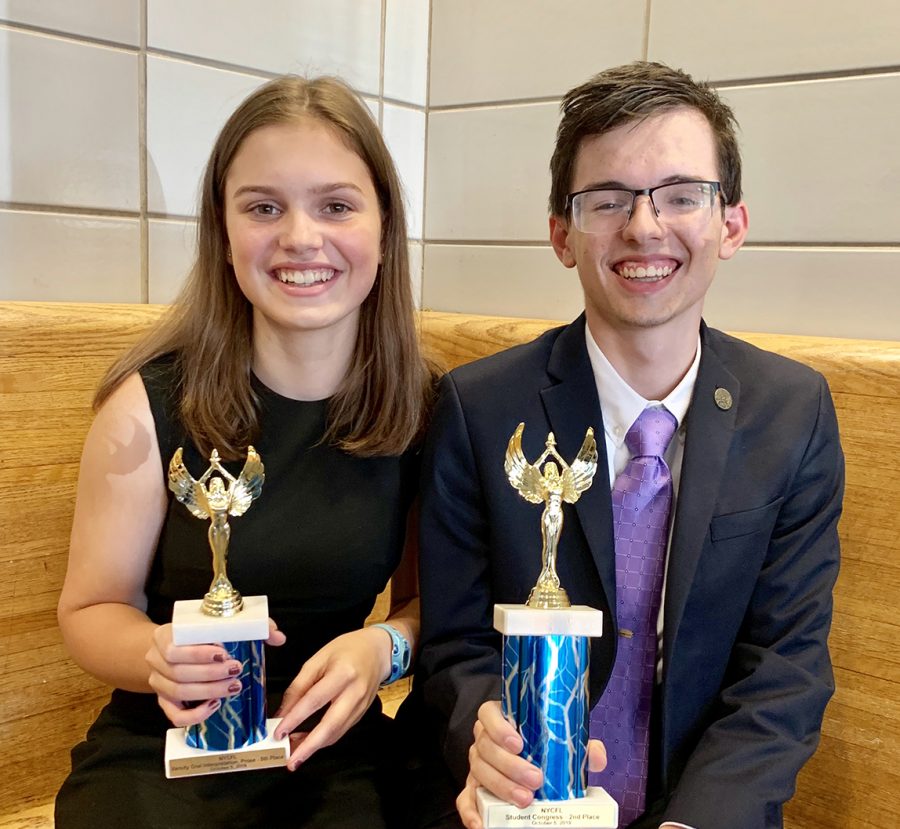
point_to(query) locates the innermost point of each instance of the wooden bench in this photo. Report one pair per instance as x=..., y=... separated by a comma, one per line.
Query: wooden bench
x=51, y=358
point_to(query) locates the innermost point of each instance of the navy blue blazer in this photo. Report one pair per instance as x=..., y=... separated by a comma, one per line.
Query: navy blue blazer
x=754, y=557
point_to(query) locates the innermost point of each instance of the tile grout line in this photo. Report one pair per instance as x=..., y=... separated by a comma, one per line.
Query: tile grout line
x=381, y=58
x=422, y=241
x=142, y=157
x=646, y=44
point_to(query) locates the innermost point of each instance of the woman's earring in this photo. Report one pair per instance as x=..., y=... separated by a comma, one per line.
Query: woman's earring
x=228, y=255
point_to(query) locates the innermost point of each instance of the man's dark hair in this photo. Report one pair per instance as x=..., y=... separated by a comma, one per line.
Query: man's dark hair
x=634, y=92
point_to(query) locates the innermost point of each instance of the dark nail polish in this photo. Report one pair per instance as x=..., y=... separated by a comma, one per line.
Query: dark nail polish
x=234, y=687
x=214, y=704
x=218, y=657
x=234, y=670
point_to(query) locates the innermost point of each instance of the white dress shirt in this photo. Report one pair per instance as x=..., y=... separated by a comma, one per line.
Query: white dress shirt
x=621, y=406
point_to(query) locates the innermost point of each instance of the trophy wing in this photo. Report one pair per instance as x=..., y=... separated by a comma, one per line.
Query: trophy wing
x=580, y=474
x=249, y=483
x=185, y=488
x=522, y=475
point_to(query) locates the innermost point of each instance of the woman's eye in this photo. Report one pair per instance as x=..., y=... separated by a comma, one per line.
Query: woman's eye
x=264, y=209
x=338, y=208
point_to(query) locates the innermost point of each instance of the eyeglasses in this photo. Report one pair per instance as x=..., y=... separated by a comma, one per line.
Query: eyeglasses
x=608, y=210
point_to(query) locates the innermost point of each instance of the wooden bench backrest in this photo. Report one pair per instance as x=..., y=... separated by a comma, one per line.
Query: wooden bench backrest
x=51, y=359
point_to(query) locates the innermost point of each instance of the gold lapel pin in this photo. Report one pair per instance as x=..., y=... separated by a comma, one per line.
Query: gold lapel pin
x=723, y=399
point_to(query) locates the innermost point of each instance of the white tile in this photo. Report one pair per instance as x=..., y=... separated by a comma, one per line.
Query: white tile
x=825, y=292
x=309, y=37
x=415, y=271
x=66, y=258
x=406, y=50
x=187, y=105
x=504, y=280
x=820, y=159
x=69, y=116
x=172, y=248
x=488, y=173
x=769, y=38
x=115, y=20
x=506, y=49
x=404, y=134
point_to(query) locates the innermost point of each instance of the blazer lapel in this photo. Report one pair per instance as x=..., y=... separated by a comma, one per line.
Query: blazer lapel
x=572, y=406
x=710, y=427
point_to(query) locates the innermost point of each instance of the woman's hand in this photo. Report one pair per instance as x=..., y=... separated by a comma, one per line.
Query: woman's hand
x=345, y=673
x=494, y=763
x=190, y=680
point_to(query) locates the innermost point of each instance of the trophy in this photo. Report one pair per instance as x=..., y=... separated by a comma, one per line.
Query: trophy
x=235, y=737
x=546, y=655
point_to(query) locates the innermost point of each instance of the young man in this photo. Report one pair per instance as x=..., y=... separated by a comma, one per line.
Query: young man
x=709, y=684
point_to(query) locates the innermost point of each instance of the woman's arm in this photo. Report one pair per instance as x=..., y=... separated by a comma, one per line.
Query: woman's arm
x=119, y=511
x=404, y=612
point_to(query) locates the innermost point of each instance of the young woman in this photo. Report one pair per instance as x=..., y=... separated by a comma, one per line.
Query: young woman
x=295, y=334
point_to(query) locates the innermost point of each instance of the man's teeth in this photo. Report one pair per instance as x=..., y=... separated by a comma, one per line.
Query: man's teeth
x=633, y=272
x=305, y=277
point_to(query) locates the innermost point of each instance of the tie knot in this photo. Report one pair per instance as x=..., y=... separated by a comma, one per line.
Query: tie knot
x=651, y=433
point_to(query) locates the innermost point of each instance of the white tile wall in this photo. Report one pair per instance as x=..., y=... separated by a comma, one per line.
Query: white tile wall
x=406, y=50
x=514, y=281
x=820, y=159
x=769, y=38
x=68, y=123
x=115, y=20
x=312, y=37
x=71, y=116
x=488, y=173
x=834, y=292
x=187, y=105
x=507, y=49
x=51, y=256
x=172, y=247
x=404, y=134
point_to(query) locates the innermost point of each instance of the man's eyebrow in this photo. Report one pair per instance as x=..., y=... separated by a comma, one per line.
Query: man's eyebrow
x=317, y=190
x=614, y=184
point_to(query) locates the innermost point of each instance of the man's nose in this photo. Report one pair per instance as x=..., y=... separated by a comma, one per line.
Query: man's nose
x=300, y=231
x=643, y=221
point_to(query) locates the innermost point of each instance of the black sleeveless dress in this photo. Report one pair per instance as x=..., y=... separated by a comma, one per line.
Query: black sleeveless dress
x=321, y=542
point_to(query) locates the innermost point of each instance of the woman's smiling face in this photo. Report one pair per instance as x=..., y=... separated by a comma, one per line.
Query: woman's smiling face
x=304, y=228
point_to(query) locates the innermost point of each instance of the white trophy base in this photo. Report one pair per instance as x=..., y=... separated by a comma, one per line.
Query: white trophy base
x=184, y=761
x=191, y=626
x=596, y=810
x=521, y=620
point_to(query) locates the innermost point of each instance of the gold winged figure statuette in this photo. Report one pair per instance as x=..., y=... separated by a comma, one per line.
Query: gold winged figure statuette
x=214, y=496
x=551, y=487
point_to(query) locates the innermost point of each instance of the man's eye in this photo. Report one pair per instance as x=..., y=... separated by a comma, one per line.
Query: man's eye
x=684, y=202
x=606, y=205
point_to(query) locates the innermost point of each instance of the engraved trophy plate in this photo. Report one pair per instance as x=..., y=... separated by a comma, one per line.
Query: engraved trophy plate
x=236, y=737
x=546, y=655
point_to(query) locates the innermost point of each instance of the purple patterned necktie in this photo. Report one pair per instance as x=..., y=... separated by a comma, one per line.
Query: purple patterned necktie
x=641, y=497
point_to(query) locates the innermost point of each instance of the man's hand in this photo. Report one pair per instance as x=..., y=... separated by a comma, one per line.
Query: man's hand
x=494, y=763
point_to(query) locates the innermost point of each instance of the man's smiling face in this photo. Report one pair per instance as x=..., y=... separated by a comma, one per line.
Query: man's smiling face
x=649, y=274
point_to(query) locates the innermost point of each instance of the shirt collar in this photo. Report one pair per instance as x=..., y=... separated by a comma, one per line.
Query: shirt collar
x=621, y=404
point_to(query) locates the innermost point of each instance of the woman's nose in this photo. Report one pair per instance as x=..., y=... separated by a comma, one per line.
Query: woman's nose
x=300, y=231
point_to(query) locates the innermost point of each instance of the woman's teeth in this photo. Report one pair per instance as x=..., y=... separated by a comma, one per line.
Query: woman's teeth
x=308, y=277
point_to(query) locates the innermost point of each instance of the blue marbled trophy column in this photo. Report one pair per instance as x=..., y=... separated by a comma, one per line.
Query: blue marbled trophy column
x=545, y=694
x=241, y=719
